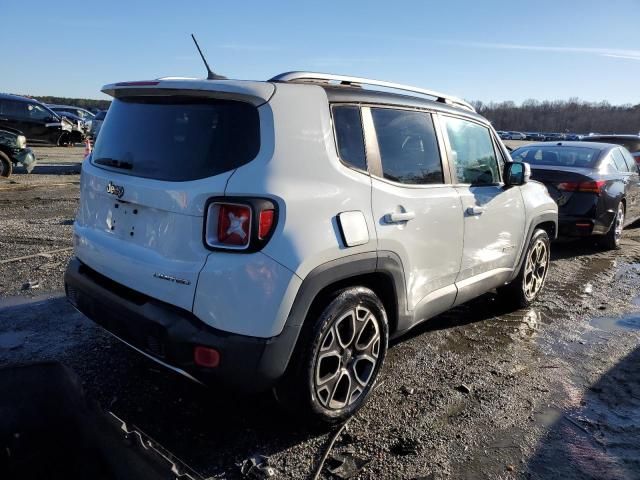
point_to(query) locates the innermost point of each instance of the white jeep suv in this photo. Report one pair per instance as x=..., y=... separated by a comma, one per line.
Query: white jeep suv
x=276, y=235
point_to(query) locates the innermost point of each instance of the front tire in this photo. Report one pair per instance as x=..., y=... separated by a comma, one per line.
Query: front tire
x=5, y=165
x=336, y=363
x=526, y=287
x=611, y=240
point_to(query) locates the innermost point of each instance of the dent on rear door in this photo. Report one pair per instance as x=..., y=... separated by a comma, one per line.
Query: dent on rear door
x=494, y=234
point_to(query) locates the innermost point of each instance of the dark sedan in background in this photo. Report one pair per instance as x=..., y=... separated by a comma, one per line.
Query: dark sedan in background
x=630, y=142
x=596, y=186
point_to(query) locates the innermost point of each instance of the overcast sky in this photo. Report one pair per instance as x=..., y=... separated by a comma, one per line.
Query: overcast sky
x=479, y=50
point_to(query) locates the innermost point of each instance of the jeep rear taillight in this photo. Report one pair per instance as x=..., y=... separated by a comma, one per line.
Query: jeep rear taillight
x=228, y=225
x=234, y=225
x=239, y=224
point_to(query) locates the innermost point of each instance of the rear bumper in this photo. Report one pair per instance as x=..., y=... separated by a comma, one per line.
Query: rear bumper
x=576, y=226
x=168, y=334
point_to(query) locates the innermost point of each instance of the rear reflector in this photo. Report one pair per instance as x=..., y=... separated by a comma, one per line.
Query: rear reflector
x=266, y=223
x=206, y=357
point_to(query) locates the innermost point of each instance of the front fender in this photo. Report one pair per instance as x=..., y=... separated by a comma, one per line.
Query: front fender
x=540, y=209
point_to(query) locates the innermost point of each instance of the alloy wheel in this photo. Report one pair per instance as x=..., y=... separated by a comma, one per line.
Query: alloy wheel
x=619, y=225
x=535, y=269
x=347, y=358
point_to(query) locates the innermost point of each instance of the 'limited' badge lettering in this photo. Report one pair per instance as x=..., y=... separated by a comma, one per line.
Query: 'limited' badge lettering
x=169, y=278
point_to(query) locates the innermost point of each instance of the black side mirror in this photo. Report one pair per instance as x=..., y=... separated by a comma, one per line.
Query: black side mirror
x=516, y=173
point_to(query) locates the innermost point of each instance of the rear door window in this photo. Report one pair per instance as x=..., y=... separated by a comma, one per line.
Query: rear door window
x=177, y=138
x=474, y=157
x=408, y=146
x=630, y=161
x=349, y=137
x=618, y=159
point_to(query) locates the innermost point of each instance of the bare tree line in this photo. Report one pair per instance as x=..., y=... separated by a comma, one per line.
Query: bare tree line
x=573, y=115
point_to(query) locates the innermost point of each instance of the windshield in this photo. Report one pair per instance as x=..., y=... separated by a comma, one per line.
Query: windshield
x=177, y=138
x=557, y=155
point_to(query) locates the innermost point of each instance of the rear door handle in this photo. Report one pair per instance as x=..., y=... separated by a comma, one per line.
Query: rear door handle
x=397, y=217
x=475, y=211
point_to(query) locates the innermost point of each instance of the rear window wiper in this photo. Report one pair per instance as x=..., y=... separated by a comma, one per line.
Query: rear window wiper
x=113, y=162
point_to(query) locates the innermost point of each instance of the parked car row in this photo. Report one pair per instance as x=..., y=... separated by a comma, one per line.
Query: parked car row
x=37, y=121
x=511, y=135
x=48, y=124
x=539, y=136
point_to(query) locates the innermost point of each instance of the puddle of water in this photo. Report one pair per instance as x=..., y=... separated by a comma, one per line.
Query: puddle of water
x=609, y=324
x=548, y=416
x=626, y=269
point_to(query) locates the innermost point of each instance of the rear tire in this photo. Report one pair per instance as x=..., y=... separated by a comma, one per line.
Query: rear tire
x=526, y=287
x=337, y=360
x=611, y=240
x=6, y=167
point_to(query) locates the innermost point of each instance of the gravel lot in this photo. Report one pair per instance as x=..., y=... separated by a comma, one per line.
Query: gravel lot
x=547, y=392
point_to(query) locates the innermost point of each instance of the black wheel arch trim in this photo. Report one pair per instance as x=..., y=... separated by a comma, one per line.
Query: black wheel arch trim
x=9, y=153
x=278, y=353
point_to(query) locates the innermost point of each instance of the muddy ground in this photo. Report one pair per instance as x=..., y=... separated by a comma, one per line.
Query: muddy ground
x=548, y=392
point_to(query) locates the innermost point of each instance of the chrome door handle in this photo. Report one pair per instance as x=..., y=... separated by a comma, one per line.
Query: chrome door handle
x=399, y=217
x=474, y=211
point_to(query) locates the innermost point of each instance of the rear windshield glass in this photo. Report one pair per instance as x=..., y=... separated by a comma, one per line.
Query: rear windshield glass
x=176, y=138
x=553, y=155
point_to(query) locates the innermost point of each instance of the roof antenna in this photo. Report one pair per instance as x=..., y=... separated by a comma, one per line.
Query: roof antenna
x=210, y=74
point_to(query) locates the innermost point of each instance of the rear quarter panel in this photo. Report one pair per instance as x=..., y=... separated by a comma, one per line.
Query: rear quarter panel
x=308, y=181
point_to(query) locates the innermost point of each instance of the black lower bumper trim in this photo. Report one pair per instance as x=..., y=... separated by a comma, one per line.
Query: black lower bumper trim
x=570, y=226
x=169, y=333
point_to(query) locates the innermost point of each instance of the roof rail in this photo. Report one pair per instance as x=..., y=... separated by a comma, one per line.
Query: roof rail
x=347, y=80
